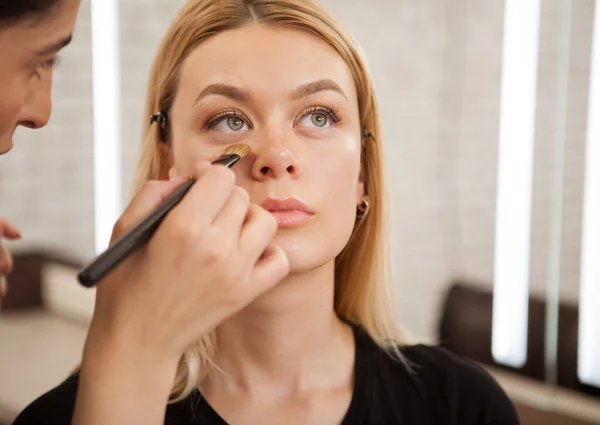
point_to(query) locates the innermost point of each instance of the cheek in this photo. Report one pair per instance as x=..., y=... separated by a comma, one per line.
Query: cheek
x=186, y=153
x=339, y=181
x=332, y=184
x=338, y=173
x=339, y=186
x=10, y=107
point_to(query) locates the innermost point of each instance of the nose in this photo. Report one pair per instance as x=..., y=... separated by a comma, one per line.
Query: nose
x=37, y=107
x=274, y=160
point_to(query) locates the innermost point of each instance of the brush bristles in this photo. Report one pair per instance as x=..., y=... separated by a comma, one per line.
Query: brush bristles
x=240, y=149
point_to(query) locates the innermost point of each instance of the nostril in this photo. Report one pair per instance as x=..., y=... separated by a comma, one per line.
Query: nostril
x=264, y=170
x=290, y=169
x=29, y=124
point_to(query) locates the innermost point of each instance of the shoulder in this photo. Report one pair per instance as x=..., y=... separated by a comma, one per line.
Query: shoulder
x=470, y=392
x=55, y=407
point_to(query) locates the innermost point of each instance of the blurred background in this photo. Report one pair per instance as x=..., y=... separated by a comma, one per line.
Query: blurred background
x=489, y=152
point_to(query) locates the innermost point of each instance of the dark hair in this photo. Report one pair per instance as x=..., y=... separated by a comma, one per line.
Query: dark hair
x=15, y=10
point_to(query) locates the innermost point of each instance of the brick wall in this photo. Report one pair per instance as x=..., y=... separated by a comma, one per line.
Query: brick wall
x=437, y=67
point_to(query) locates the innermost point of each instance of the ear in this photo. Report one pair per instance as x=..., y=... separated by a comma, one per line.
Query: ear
x=166, y=170
x=360, y=187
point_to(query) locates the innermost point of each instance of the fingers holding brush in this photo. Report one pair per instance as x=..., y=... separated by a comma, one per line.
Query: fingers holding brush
x=268, y=262
x=192, y=273
x=205, y=198
x=233, y=215
x=149, y=197
x=257, y=234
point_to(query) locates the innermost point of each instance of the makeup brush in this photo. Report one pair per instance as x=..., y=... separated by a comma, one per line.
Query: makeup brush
x=144, y=230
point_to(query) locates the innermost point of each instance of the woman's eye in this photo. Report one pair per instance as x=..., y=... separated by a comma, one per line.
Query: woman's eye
x=229, y=124
x=318, y=119
x=235, y=123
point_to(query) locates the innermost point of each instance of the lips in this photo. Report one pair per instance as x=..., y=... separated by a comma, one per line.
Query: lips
x=288, y=212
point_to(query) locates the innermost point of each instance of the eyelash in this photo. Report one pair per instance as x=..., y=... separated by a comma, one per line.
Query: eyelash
x=49, y=64
x=52, y=63
x=329, y=112
x=214, y=121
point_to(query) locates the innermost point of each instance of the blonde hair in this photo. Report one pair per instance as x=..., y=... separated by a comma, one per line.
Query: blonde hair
x=363, y=287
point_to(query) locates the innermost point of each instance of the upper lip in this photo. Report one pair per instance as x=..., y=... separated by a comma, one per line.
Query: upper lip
x=286, y=204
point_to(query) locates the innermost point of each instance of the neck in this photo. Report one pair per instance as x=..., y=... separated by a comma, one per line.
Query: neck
x=288, y=340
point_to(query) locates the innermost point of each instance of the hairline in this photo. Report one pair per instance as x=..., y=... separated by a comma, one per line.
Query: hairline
x=31, y=18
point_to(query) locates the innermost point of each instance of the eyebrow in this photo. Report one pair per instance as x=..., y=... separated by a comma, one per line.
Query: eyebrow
x=316, y=87
x=241, y=95
x=231, y=92
x=55, y=47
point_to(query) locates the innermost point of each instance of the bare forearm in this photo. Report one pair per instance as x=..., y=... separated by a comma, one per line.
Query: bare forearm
x=121, y=386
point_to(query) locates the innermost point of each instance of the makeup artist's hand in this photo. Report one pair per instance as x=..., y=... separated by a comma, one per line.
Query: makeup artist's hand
x=204, y=263
x=210, y=257
x=7, y=231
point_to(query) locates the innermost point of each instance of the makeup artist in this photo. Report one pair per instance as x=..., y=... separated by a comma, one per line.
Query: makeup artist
x=215, y=220
x=31, y=34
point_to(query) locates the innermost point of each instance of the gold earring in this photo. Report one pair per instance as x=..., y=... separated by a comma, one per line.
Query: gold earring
x=363, y=209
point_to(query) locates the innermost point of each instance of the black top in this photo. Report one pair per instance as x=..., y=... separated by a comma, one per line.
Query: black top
x=441, y=389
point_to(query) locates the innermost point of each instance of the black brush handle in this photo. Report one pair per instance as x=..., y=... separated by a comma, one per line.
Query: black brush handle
x=140, y=233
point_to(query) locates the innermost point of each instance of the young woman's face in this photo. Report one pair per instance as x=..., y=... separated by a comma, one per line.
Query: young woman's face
x=292, y=99
x=29, y=48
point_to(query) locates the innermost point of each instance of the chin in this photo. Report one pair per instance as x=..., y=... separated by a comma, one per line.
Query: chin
x=309, y=253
